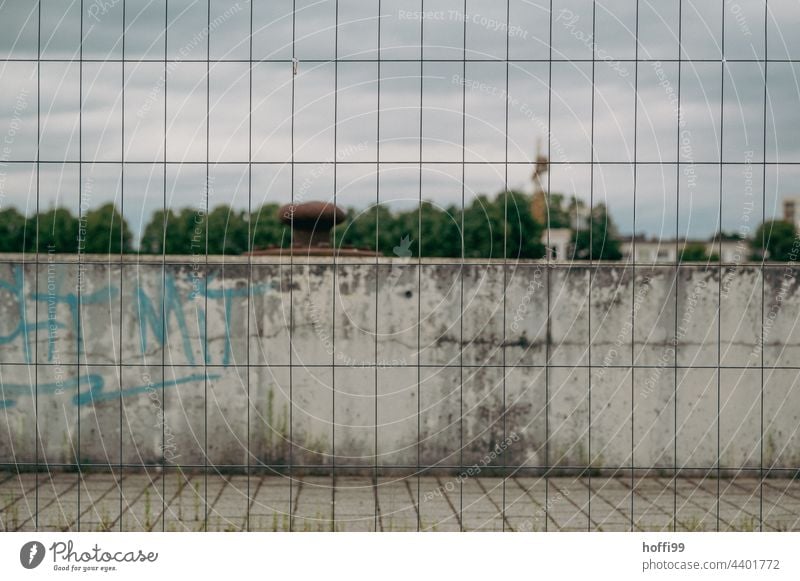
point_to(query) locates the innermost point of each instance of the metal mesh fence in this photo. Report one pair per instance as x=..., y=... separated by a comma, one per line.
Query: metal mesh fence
x=562, y=295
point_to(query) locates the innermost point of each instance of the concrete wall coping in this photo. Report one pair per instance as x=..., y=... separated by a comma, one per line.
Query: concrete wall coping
x=114, y=259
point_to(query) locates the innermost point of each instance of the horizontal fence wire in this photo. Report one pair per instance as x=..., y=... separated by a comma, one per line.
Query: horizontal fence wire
x=327, y=353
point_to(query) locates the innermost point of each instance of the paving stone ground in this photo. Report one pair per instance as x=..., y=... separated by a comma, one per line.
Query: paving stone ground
x=177, y=501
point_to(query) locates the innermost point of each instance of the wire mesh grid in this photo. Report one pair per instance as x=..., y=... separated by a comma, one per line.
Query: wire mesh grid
x=479, y=381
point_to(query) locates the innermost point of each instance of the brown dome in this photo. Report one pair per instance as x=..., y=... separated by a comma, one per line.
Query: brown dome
x=311, y=215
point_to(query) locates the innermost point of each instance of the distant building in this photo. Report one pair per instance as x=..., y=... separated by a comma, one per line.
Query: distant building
x=647, y=250
x=791, y=210
x=654, y=250
x=558, y=242
x=731, y=251
x=539, y=201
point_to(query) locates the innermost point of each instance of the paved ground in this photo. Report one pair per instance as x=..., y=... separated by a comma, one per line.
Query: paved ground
x=133, y=501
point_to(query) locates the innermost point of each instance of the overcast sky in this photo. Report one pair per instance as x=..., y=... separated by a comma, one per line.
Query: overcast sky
x=376, y=117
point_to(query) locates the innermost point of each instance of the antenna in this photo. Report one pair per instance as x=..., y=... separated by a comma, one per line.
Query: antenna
x=540, y=202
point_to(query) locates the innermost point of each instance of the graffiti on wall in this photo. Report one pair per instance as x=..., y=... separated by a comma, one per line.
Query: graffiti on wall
x=159, y=316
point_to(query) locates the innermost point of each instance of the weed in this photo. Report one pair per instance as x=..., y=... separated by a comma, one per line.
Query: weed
x=148, y=510
x=693, y=524
x=746, y=524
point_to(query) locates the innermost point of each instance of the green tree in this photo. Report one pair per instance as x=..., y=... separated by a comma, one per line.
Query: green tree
x=564, y=212
x=175, y=232
x=600, y=241
x=227, y=231
x=489, y=227
x=722, y=235
x=153, y=234
x=14, y=231
x=186, y=232
x=775, y=240
x=267, y=230
x=106, y=231
x=484, y=228
x=376, y=227
x=694, y=252
x=523, y=233
x=441, y=231
x=58, y=231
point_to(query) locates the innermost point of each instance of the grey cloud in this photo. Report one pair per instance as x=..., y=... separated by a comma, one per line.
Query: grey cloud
x=569, y=112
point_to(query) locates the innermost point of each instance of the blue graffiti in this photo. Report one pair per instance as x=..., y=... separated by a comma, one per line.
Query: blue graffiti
x=154, y=318
x=95, y=393
x=17, y=290
x=28, y=389
x=227, y=295
x=170, y=304
x=74, y=302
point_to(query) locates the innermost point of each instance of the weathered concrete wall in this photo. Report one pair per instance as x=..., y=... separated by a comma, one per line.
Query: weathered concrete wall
x=239, y=346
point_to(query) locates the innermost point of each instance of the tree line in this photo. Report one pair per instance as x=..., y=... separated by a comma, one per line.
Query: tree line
x=488, y=227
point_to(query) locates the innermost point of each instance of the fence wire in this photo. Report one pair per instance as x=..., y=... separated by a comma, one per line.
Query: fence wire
x=563, y=318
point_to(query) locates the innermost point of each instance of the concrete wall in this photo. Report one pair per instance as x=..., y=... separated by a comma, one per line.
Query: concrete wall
x=222, y=363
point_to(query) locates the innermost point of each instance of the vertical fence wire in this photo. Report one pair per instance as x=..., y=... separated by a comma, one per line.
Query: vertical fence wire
x=118, y=476
x=762, y=270
x=718, y=244
x=419, y=263
x=503, y=411
x=79, y=281
x=378, y=142
x=205, y=270
x=164, y=227
x=37, y=437
x=592, y=158
x=550, y=466
x=375, y=456
x=335, y=271
x=291, y=282
x=462, y=273
x=250, y=248
x=677, y=277
x=633, y=265
x=549, y=265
